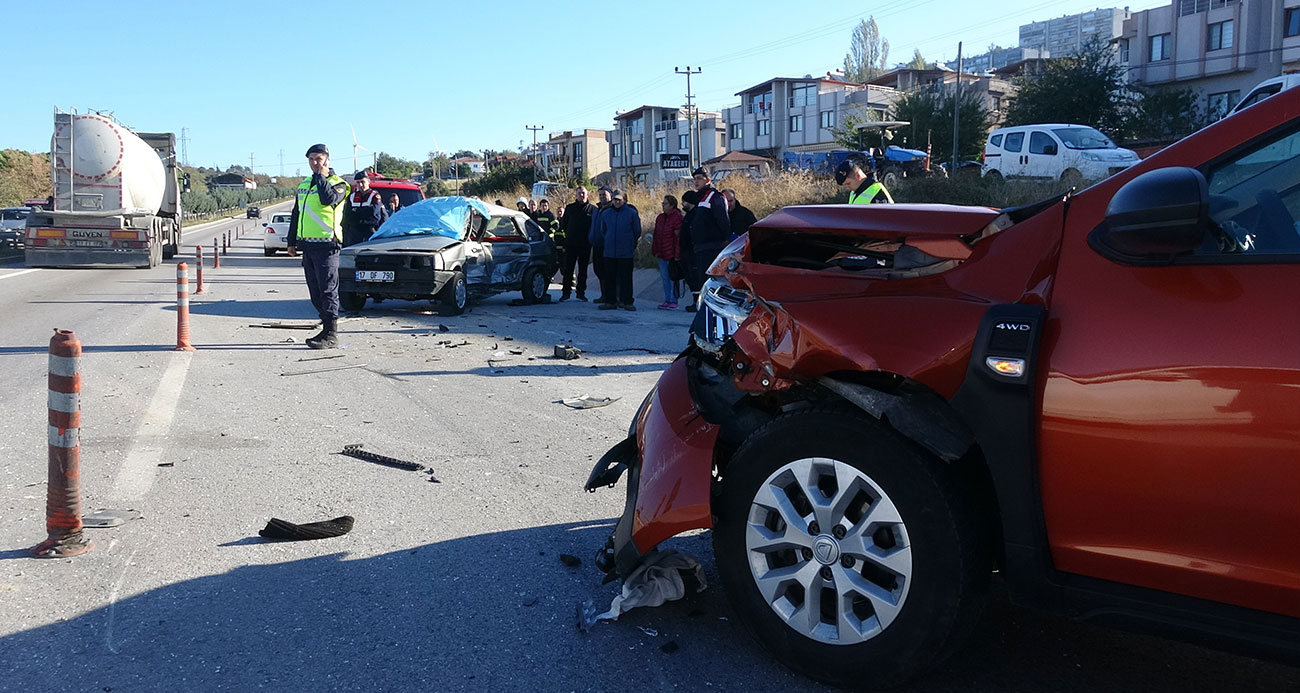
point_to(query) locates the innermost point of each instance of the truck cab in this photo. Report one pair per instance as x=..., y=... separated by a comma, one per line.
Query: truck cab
x=1096, y=396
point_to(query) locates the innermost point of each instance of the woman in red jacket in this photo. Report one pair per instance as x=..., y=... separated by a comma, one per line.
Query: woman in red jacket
x=667, y=247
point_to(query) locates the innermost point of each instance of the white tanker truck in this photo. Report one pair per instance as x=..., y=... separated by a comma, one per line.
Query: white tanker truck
x=117, y=198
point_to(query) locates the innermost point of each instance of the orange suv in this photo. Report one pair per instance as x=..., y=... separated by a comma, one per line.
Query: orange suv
x=1096, y=396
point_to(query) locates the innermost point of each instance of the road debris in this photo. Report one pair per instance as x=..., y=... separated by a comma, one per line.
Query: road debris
x=570, y=560
x=517, y=351
x=166, y=464
x=648, y=631
x=322, y=358
x=443, y=328
x=288, y=531
x=658, y=580
x=586, y=615
x=354, y=450
x=326, y=370
x=285, y=326
x=105, y=518
x=568, y=352
x=588, y=402
x=288, y=340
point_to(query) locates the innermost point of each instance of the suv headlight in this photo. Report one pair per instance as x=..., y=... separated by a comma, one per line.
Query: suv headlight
x=724, y=308
x=1092, y=156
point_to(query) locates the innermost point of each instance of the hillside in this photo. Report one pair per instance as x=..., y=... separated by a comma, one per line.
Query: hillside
x=23, y=176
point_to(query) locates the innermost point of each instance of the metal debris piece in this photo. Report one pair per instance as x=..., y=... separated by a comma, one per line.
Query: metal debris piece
x=288, y=531
x=586, y=615
x=570, y=560
x=354, y=450
x=568, y=352
x=517, y=351
x=285, y=326
x=166, y=464
x=588, y=402
x=322, y=358
x=648, y=631
x=326, y=370
x=508, y=339
x=105, y=518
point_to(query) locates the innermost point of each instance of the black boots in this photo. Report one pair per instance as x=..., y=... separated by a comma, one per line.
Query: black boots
x=328, y=337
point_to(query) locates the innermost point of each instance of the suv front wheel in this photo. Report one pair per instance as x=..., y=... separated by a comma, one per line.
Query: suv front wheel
x=851, y=555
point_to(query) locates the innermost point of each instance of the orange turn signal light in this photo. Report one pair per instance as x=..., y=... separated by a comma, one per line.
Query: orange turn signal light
x=1005, y=366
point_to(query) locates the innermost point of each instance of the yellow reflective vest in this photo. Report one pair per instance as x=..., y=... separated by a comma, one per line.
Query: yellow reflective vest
x=317, y=222
x=869, y=194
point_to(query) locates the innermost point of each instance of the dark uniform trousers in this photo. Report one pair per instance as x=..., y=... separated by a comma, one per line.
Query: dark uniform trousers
x=320, y=263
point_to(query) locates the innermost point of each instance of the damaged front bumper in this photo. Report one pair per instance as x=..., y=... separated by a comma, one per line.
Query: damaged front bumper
x=668, y=456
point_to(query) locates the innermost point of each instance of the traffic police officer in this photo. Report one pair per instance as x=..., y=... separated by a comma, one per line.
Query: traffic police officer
x=857, y=174
x=316, y=227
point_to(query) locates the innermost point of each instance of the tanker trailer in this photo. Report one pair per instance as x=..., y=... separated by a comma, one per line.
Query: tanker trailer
x=116, y=197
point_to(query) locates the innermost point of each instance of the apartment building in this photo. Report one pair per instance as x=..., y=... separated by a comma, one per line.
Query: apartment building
x=996, y=58
x=652, y=144
x=1065, y=35
x=995, y=90
x=798, y=114
x=573, y=153
x=1219, y=48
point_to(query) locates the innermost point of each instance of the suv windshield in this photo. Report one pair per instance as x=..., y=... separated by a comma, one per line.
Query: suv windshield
x=407, y=196
x=14, y=214
x=1083, y=138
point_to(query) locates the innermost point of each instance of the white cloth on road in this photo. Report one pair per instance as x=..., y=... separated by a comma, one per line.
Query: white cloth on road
x=656, y=581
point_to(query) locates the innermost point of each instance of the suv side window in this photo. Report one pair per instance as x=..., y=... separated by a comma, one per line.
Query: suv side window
x=1015, y=140
x=996, y=140
x=1255, y=199
x=502, y=230
x=1040, y=142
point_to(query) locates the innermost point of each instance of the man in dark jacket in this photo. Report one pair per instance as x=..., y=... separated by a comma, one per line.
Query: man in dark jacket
x=687, y=256
x=604, y=200
x=741, y=217
x=710, y=229
x=363, y=213
x=575, y=224
x=316, y=227
x=619, y=228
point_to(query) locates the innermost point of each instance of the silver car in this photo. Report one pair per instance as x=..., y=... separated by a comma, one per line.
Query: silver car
x=277, y=233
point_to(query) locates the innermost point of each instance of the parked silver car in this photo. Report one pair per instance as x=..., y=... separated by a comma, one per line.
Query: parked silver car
x=451, y=249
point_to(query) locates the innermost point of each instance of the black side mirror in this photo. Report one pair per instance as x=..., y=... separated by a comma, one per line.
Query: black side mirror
x=1154, y=217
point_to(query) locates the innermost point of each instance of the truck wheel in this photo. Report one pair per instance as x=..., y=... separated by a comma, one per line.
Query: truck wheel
x=849, y=554
x=534, y=285
x=351, y=302
x=890, y=179
x=455, y=295
x=269, y=252
x=169, y=252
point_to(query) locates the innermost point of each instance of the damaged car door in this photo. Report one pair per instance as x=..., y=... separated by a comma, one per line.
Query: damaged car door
x=478, y=256
x=506, y=246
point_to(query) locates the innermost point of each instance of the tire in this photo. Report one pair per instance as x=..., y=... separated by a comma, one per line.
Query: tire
x=890, y=179
x=169, y=252
x=455, y=295
x=350, y=301
x=994, y=176
x=535, y=284
x=1071, y=178
x=919, y=575
x=269, y=252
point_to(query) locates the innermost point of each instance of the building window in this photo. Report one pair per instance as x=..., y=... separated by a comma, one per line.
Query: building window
x=1222, y=102
x=827, y=120
x=616, y=150
x=1220, y=36
x=1123, y=50
x=737, y=131
x=577, y=151
x=1159, y=45
x=803, y=95
x=764, y=127
x=636, y=147
x=661, y=145
x=760, y=103
x=683, y=141
x=640, y=177
x=1292, y=24
x=637, y=126
x=1187, y=7
x=796, y=123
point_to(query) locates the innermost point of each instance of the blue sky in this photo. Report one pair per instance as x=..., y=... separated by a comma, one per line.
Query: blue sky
x=260, y=78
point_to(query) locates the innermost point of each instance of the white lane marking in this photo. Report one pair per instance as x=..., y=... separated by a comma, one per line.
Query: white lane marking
x=136, y=476
x=19, y=273
x=112, y=599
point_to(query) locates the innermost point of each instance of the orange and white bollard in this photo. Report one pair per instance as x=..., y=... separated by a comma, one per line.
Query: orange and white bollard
x=63, y=492
x=183, y=308
x=216, y=256
x=198, y=256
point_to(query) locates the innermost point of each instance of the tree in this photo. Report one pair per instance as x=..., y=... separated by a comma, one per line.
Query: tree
x=918, y=62
x=868, y=53
x=437, y=164
x=390, y=166
x=847, y=130
x=505, y=176
x=465, y=153
x=930, y=115
x=1088, y=88
x=1166, y=114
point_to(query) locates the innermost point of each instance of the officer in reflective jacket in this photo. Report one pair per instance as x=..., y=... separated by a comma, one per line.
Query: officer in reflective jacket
x=316, y=227
x=857, y=175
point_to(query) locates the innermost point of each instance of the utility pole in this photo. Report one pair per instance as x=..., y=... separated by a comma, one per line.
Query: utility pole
x=185, y=150
x=535, y=128
x=282, y=163
x=693, y=121
x=956, y=109
x=250, y=163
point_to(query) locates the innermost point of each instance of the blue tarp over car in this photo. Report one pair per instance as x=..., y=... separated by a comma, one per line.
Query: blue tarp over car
x=438, y=216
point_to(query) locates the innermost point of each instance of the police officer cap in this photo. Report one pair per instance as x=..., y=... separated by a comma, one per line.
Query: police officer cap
x=701, y=171
x=318, y=149
x=850, y=162
x=360, y=174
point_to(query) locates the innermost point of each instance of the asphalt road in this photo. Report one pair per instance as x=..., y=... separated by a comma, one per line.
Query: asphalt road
x=444, y=586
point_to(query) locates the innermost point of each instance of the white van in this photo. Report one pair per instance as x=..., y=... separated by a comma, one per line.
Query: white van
x=555, y=193
x=1069, y=153
x=1265, y=89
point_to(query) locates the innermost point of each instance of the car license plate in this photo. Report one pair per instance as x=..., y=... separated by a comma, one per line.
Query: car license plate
x=87, y=244
x=374, y=276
